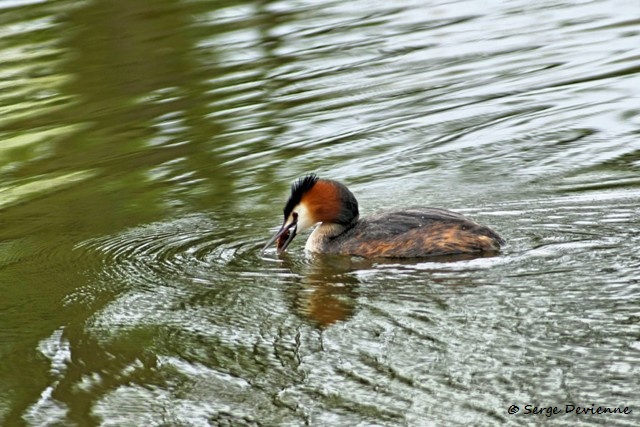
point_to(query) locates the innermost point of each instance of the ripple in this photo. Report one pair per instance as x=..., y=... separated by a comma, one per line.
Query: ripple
x=156, y=267
x=169, y=247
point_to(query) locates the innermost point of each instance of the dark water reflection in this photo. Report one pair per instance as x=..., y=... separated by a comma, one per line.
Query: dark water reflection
x=145, y=153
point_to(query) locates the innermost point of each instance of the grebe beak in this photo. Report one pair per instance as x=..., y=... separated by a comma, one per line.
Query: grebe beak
x=288, y=230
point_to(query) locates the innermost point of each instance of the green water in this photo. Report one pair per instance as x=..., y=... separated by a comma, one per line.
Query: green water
x=146, y=150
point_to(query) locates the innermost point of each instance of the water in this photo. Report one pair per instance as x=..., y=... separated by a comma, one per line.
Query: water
x=146, y=149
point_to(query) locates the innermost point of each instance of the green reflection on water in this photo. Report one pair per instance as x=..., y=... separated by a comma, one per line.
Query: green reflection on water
x=86, y=152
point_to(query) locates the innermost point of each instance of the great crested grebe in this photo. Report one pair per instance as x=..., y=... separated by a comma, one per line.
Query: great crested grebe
x=410, y=233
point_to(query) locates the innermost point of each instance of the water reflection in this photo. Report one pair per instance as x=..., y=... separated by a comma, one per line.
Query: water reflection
x=326, y=290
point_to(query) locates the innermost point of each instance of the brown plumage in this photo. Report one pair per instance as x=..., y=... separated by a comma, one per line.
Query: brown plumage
x=410, y=233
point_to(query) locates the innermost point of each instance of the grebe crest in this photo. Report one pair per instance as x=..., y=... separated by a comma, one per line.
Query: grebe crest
x=416, y=232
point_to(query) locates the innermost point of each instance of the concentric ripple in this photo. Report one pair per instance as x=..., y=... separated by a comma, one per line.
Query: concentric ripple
x=191, y=244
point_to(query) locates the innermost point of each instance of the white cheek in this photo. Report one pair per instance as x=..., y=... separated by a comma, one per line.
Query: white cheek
x=304, y=217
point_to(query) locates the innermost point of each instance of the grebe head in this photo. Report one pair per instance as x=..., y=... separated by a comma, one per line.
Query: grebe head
x=314, y=200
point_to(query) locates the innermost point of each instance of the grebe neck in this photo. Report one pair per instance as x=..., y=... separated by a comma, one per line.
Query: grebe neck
x=325, y=232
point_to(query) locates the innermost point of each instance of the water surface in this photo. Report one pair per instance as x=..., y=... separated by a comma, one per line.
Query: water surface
x=146, y=150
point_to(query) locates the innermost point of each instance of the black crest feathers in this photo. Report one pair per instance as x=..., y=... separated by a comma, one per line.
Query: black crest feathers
x=298, y=189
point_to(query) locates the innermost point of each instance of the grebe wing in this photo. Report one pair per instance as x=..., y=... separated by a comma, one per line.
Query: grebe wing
x=417, y=232
x=399, y=222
